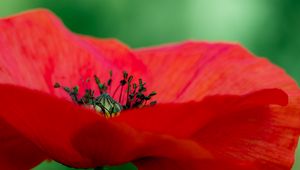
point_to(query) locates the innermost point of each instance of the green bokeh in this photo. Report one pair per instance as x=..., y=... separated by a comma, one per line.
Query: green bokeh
x=269, y=28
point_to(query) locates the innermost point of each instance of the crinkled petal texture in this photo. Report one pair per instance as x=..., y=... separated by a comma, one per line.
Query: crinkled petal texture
x=221, y=107
x=203, y=69
x=37, y=50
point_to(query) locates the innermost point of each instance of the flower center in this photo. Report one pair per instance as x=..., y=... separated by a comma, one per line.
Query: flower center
x=127, y=95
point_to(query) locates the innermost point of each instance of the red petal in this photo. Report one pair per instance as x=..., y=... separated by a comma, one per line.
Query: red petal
x=119, y=143
x=251, y=137
x=45, y=121
x=183, y=120
x=36, y=50
x=193, y=70
x=16, y=152
x=207, y=164
x=119, y=54
x=80, y=138
x=41, y=44
x=239, y=131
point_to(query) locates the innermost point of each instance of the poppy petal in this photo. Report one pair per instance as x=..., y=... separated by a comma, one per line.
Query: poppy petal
x=265, y=137
x=119, y=143
x=250, y=139
x=79, y=137
x=222, y=68
x=253, y=137
x=212, y=69
x=45, y=121
x=37, y=42
x=15, y=150
x=119, y=54
x=207, y=164
x=88, y=138
x=183, y=120
x=193, y=70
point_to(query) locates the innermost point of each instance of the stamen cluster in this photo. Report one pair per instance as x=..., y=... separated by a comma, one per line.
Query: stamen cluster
x=131, y=95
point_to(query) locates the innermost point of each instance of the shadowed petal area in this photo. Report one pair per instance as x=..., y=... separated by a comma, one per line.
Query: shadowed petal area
x=79, y=137
x=47, y=122
x=250, y=138
x=239, y=131
x=16, y=151
x=206, y=164
x=183, y=120
x=119, y=143
x=36, y=50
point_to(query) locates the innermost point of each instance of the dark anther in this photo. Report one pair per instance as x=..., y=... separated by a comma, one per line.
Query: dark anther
x=131, y=96
x=67, y=89
x=152, y=94
x=102, y=87
x=56, y=85
x=109, y=81
x=125, y=75
x=153, y=103
x=123, y=82
x=140, y=96
x=75, y=89
x=130, y=78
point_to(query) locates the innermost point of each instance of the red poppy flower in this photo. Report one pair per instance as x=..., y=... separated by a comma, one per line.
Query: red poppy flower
x=219, y=107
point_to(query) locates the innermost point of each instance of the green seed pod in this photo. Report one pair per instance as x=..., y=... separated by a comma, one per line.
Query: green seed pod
x=107, y=105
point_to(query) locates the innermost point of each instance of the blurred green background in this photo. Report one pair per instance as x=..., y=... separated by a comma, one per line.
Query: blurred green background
x=269, y=28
